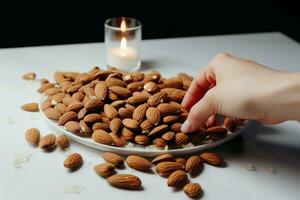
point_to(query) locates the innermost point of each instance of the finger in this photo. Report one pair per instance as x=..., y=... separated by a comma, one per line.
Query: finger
x=198, y=88
x=199, y=113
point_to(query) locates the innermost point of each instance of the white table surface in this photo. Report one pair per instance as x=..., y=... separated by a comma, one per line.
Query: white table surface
x=44, y=177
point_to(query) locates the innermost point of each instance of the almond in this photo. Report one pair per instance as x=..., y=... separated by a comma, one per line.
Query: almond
x=138, y=163
x=52, y=91
x=177, y=178
x=120, y=91
x=47, y=142
x=128, y=134
x=176, y=127
x=166, y=168
x=170, y=119
x=159, y=143
x=150, y=87
x=75, y=106
x=169, y=109
x=193, y=164
x=142, y=139
x=229, y=124
x=182, y=161
x=158, y=130
x=146, y=126
x=168, y=135
x=217, y=130
x=135, y=86
x=102, y=137
x=114, y=82
x=113, y=158
x=61, y=108
x=153, y=115
x=118, y=104
x=119, y=141
x=100, y=125
x=45, y=87
x=68, y=116
x=174, y=94
x=85, y=129
x=212, y=158
x=78, y=96
x=46, y=104
x=82, y=113
x=105, y=170
x=72, y=126
x=63, y=141
x=30, y=107
x=139, y=113
x=115, y=124
x=32, y=135
x=181, y=139
x=92, y=104
x=93, y=117
x=52, y=113
x=58, y=97
x=73, y=161
x=125, y=113
x=157, y=98
x=125, y=181
x=163, y=158
x=192, y=189
x=110, y=111
x=29, y=76
x=137, y=99
x=101, y=90
x=130, y=124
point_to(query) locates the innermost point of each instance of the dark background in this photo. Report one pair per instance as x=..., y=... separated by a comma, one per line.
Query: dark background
x=45, y=22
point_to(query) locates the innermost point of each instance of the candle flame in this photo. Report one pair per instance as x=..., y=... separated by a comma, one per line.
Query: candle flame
x=123, y=45
x=123, y=25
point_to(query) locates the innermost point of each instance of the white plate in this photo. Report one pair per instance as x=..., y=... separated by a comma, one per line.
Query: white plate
x=137, y=149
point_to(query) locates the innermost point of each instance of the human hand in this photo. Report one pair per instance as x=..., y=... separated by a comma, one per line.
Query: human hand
x=242, y=89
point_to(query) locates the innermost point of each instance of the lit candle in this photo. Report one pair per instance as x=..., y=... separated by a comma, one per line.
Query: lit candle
x=126, y=55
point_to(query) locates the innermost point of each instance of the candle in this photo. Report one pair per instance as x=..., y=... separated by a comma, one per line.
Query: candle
x=123, y=57
x=122, y=41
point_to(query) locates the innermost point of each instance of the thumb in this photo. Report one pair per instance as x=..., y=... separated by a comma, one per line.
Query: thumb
x=200, y=112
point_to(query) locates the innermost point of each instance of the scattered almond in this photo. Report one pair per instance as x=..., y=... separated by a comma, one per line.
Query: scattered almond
x=73, y=161
x=212, y=158
x=192, y=189
x=177, y=178
x=125, y=181
x=105, y=170
x=30, y=107
x=32, y=135
x=138, y=163
x=113, y=158
x=63, y=141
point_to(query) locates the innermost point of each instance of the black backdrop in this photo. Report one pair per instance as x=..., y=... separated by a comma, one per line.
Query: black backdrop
x=46, y=22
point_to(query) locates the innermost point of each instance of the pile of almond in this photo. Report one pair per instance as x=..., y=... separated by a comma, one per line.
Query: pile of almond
x=114, y=107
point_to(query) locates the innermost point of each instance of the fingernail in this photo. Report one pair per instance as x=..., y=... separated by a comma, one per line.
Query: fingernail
x=186, y=126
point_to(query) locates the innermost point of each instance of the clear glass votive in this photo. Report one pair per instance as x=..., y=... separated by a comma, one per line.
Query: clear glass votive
x=122, y=43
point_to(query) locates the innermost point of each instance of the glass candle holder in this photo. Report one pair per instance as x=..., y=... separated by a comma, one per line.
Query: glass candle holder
x=122, y=43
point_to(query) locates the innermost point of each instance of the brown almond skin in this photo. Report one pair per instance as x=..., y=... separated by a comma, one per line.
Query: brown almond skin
x=177, y=178
x=102, y=137
x=73, y=161
x=125, y=181
x=63, y=141
x=105, y=169
x=68, y=116
x=157, y=98
x=101, y=90
x=229, y=124
x=138, y=163
x=52, y=113
x=130, y=123
x=48, y=141
x=32, y=135
x=142, y=139
x=158, y=130
x=110, y=111
x=153, y=115
x=29, y=76
x=30, y=107
x=139, y=113
x=169, y=109
x=193, y=164
x=115, y=124
x=163, y=158
x=166, y=168
x=193, y=190
x=113, y=158
x=212, y=158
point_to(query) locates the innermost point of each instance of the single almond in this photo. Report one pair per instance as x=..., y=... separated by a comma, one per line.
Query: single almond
x=114, y=82
x=115, y=124
x=177, y=178
x=29, y=76
x=142, y=139
x=32, y=135
x=47, y=142
x=173, y=83
x=30, y=107
x=110, y=111
x=68, y=116
x=150, y=87
x=193, y=164
x=130, y=124
x=146, y=126
x=63, y=141
x=78, y=96
x=105, y=169
x=101, y=90
x=153, y=115
x=102, y=137
x=73, y=161
x=193, y=190
x=158, y=130
x=52, y=113
x=125, y=113
x=137, y=99
x=168, y=136
x=182, y=161
x=120, y=91
x=92, y=104
x=135, y=86
x=119, y=141
x=125, y=181
x=212, y=158
x=229, y=124
x=138, y=163
x=163, y=158
x=75, y=106
x=100, y=125
x=170, y=119
x=166, y=168
x=113, y=158
x=72, y=126
x=140, y=113
x=45, y=87
x=52, y=91
x=157, y=98
x=176, y=127
x=128, y=134
x=61, y=108
x=47, y=103
x=174, y=94
x=159, y=143
x=181, y=139
x=169, y=109
x=93, y=117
